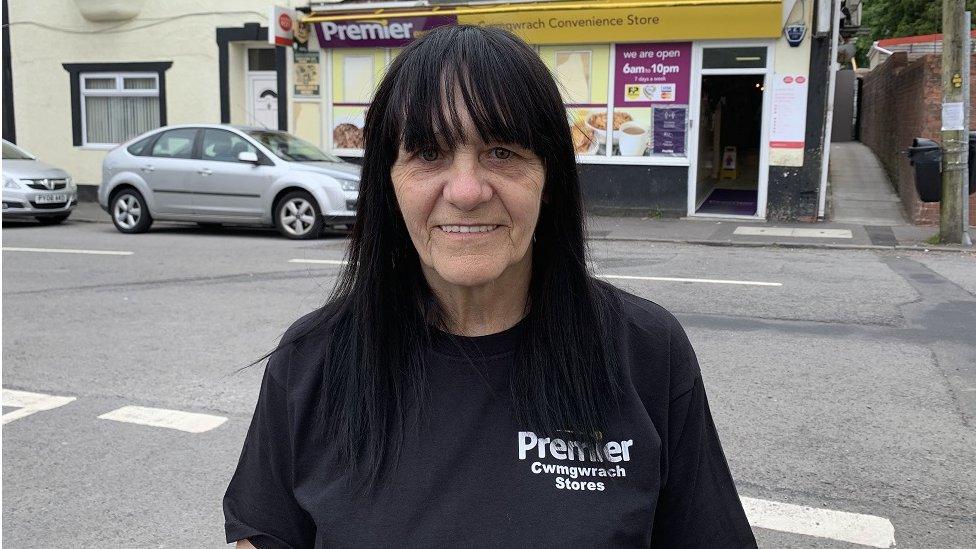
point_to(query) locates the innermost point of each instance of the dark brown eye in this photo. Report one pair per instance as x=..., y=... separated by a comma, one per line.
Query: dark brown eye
x=429, y=155
x=501, y=153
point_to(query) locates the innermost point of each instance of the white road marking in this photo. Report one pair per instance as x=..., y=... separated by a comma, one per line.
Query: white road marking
x=702, y=280
x=161, y=417
x=27, y=403
x=797, y=233
x=65, y=251
x=320, y=261
x=822, y=523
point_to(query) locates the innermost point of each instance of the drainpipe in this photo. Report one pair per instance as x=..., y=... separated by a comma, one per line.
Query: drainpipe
x=828, y=123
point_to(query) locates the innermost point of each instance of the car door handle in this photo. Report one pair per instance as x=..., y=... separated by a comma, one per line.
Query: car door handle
x=148, y=168
x=205, y=171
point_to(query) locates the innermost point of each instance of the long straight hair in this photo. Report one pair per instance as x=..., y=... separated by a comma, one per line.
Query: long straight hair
x=382, y=310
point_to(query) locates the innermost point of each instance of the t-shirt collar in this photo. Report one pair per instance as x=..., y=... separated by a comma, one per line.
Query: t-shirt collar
x=486, y=345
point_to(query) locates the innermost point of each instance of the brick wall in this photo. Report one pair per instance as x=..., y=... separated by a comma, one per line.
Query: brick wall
x=902, y=100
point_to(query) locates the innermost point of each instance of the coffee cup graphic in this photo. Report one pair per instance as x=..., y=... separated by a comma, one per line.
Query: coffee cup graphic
x=633, y=139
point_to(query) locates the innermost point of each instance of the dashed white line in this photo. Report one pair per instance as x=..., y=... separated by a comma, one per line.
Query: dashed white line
x=28, y=403
x=700, y=280
x=66, y=251
x=822, y=523
x=320, y=261
x=170, y=419
x=796, y=233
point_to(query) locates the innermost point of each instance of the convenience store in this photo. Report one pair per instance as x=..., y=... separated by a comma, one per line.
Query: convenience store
x=680, y=108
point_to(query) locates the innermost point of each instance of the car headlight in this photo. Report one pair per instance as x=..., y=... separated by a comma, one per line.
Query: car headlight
x=10, y=183
x=71, y=184
x=349, y=185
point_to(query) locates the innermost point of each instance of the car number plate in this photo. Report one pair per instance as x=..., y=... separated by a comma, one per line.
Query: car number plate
x=51, y=198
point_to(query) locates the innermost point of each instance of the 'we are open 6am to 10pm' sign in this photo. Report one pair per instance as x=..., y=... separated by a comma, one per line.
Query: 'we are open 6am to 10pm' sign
x=649, y=74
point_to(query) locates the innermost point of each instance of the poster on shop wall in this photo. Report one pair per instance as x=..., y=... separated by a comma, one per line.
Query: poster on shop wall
x=789, y=121
x=306, y=74
x=652, y=86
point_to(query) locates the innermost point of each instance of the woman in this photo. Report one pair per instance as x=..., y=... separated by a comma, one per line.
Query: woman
x=469, y=383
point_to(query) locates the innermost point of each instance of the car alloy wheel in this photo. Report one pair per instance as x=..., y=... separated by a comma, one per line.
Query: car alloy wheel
x=297, y=217
x=127, y=212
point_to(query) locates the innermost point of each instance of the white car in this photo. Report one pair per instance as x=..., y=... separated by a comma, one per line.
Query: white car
x=217, y=174
x=34, y=189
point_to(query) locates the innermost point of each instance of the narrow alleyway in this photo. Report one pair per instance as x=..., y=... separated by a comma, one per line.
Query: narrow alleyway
x=859, y=188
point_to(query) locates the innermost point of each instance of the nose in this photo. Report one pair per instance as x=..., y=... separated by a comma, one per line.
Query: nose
x=466, y=188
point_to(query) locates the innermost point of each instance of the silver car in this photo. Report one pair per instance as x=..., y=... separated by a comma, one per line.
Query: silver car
x=216, y=174
x=32, y=188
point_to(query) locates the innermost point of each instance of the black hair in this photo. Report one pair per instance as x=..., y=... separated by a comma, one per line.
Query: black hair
x=382, y=311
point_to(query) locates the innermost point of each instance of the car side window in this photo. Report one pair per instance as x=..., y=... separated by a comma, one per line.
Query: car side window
x=141, y=147
x=175, y=143
x=224, y=146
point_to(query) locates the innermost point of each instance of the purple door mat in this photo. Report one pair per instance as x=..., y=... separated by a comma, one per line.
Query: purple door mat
x=729, y=201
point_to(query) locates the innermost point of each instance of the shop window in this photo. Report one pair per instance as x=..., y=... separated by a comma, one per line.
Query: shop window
x=114, y=102
x=636, y=106
x=355, y=73
x=627, y=100
x=651, y=94
x=582, y=73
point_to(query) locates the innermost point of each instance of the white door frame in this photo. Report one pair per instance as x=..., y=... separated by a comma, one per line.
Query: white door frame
x=695, y=100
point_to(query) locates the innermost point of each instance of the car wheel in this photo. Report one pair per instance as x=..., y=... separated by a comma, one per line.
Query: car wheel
x=52, y=219
x=297, y=216
x=129, y=212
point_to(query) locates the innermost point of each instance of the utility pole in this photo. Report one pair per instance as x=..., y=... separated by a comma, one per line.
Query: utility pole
x=955, y=127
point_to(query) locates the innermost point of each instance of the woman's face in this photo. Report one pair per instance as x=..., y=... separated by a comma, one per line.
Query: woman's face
x=471, y=212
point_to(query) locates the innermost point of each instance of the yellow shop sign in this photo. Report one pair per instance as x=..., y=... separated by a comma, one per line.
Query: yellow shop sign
x=612, y=24
x=573, y=22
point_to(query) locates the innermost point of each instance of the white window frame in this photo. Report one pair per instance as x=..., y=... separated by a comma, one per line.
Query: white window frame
x=118, y=91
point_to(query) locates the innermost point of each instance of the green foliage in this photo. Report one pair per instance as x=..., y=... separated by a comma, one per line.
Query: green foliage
x=896, y=18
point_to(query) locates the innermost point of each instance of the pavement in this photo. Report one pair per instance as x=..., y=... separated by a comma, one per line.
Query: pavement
x=724, y=232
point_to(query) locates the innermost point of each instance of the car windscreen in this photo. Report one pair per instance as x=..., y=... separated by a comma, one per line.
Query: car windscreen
x=291, y=148
x=11, y=152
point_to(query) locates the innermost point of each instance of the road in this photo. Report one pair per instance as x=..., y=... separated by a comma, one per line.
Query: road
x=843, y=387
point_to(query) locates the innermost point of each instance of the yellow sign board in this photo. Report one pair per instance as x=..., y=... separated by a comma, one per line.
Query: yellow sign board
x=672, y=22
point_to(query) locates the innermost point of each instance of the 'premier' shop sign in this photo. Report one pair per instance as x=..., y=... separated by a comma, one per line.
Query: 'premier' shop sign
x=386, y=33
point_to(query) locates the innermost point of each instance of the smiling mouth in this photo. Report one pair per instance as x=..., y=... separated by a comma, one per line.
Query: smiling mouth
x=467, y=229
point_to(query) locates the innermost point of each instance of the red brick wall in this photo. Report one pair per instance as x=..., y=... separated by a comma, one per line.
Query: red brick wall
x=902, y=100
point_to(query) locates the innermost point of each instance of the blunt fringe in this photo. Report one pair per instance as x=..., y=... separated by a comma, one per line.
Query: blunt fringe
x=382, y=311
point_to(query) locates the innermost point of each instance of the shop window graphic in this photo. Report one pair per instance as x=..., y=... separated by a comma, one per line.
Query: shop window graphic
x=651, y=96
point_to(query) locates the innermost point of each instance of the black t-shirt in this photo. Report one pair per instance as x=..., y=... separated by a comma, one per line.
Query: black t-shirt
x=472, y=477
